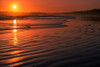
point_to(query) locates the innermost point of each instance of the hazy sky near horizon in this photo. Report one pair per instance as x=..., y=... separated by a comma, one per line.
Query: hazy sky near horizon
x=48, y=5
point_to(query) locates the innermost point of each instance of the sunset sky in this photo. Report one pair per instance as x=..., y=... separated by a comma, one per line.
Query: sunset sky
x=48, y=5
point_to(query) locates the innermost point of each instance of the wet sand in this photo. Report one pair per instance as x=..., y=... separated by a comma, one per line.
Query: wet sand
x=76, y=44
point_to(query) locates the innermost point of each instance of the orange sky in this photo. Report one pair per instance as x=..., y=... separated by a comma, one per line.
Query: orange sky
x=48, y=5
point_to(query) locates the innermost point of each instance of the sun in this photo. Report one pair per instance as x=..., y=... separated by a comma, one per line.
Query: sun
x=14, y=6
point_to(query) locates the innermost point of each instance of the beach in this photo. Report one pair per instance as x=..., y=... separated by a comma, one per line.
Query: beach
x=76, y=43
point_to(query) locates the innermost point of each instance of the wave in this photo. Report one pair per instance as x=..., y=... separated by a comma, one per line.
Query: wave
x=35, y=27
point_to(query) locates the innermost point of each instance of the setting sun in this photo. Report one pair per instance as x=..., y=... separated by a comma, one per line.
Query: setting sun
x=14, y=6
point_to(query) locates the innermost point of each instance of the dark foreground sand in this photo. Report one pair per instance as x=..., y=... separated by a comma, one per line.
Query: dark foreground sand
x=74, y=45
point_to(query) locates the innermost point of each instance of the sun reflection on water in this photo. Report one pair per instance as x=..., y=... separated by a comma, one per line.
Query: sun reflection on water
x=15, y=24
x=15, y=43
x=15, y=52
x=15, y=32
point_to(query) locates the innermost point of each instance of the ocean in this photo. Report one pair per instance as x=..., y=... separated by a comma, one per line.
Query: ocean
x=49, y=42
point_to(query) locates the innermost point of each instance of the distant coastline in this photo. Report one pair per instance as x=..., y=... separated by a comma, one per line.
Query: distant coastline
x=93, y=11
x=93, y=14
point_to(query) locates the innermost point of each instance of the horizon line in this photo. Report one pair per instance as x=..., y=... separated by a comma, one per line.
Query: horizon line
x=47, y=12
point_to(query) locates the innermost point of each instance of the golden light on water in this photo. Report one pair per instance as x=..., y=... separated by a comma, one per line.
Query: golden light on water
x=15, y=32
x=15, y=52
x=15, y=24
x=15, y=37
x=15, y=21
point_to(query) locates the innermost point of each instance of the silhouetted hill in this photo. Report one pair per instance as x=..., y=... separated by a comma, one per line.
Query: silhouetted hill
x=91, y=15
x=94, y=11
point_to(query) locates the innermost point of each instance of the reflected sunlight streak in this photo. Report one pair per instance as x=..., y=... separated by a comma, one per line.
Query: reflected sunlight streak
x=15, y=37
x=15, y=21
x=15, y=43
x=15, y=33
x=15, y=24
x=15, y=52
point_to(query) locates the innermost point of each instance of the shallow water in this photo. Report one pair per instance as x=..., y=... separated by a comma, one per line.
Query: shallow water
x=75, y=43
